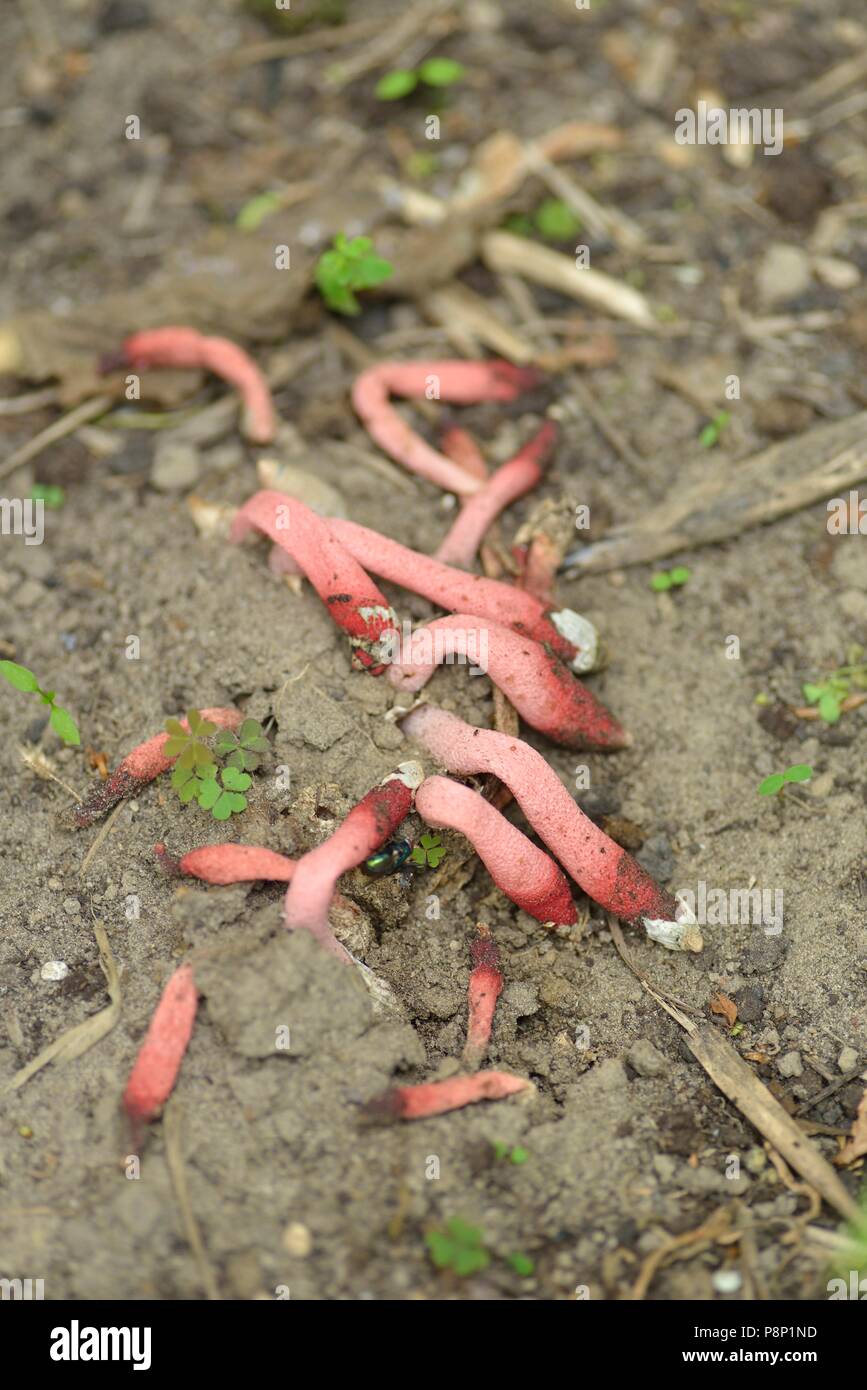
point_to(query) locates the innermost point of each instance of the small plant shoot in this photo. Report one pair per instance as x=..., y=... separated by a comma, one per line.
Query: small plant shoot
x=349, y=266
x=402, y=82
x=829, y=695
x=196, y=775
x=670, y=579
x=61, y=721
x=428, y=852
x=800, y=772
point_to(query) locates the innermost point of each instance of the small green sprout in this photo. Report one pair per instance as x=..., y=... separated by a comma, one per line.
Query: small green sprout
x=712, y=431
x=242, y=750
x=349, y=266
x=396, y=84
x=553, y=219
x=800, y=772
x=52, y=495
x=60, y=720
x=428, y=852
x=441, y=72
x=196, y=775
x=829, y=694
x=253, y=213
x=226, y=800
x=401, y=82
x=556, y=221
x=521, y=1264
x=188, y=746
x=458, y=1247
x=516, y=1155
x=669, y=579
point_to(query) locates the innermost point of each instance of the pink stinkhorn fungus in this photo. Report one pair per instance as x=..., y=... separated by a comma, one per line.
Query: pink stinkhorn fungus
x=603, y=868
x=511, y=481
x=160, y=1055
x=139, y=767
x=485, y=988
x=185, y=347
x=542, y=689
x=461, y=448
x=525, y=873
x=439, y=1097
x=368, y=825
x=225, y=864
x=572, y=637
x=350, y=596
x=463, y=383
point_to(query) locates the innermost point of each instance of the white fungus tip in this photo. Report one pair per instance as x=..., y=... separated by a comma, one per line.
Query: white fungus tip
x=410, y=773
x=581, y=633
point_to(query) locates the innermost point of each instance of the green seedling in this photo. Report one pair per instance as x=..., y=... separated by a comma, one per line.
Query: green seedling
x=60, y=720
x=553, y=219
x=712, y=431
x=461, y=1248
x=515, y=1155
x=829, y=694
x=669, y=579
x=778, y=780
x=196, y=775
x=253, y=213
x=242, y=750
x=53, y=496
x=556, y=221
x=401, y=82
x=458, y=1247
x=224, y=798
x=428, y=852
x=347, y=267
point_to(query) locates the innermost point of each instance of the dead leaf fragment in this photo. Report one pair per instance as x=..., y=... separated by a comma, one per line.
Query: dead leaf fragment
x=725, y=1007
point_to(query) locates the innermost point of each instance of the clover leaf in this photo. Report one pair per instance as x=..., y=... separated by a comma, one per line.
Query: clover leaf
x=428, y=852
x=242, y=750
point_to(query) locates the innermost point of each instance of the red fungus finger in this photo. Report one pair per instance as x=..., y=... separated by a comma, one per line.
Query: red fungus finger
x=603, y=868
x=139, y=767
x=525, y=873
x=439, y=1097
x=351, y=597
x=485, y=988
x=511, y=481
x=462, y=383
x=541, y=563
x=160, y=1055
x=542, y=689
x=185, y=347
x=368, y=825
x=572, y=637
x=224, y=864
x=461, y=448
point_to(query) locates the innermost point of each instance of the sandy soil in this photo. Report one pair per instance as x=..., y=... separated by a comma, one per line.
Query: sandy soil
x=628, y=1141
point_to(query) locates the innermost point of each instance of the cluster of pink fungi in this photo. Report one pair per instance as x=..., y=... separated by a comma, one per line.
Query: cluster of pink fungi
x=532, y=652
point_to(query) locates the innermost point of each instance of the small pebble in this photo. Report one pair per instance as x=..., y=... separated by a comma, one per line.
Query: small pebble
x=29, y=594
x=72, y=907
x=848, y=1059
x=644, y=1058
x=726, y=1281
x=176, y=467
x=54, y=970
x=297, y=1240
x=790, y=1064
